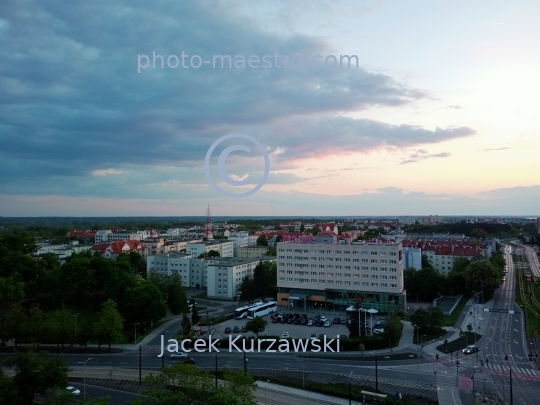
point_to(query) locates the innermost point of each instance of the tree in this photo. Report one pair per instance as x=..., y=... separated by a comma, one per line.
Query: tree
x=11, y=292
x=144, y=303
x=361, y=347
x=256, y=325
x=481, y=275
x=436, y=318
x=302, y=228
x=186, y=326
x=393, y=328
x=16, y=323
x=110, y=325
x=247, y=289
x=262, y=241
x=211, y=253
x=469, y=327
x=272, y=251
x=420, y=318
x=36, y=374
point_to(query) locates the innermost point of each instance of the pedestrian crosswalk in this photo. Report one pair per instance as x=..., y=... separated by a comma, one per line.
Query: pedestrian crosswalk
x=518, y=370
x=446, y=380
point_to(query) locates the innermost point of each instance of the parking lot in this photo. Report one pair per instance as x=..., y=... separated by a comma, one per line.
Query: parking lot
x=295, y=331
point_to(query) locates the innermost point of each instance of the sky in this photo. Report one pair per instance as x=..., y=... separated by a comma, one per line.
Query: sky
x=439, y=116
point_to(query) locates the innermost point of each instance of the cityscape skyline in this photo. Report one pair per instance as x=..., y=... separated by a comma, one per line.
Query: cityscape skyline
x=438, y=117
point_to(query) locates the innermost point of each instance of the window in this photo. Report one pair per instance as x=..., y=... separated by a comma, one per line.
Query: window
x=356, y=275
x=356, y=267
x=346, y=252
x=365, y=261
x=373, y=260
x=355, y=253
x=374, y=284
x=330, y=282
x=393, y=254
x=330, y=274
x=373, y=253
x=346, y=259
x=347, y=282
x=365, y=268
x=289, y=250
x=374, y=276
x=384, y=285
x=321, y=251
x=393, y=285
x=338, y=267
x=383, y=254
x=383, y=261
x=282, y=279
x=313, y=280
x=364, y=253
x=281, y=250
x=339, y=275
x=365, y=275
x=347, y=275
x=374, y=269
x=338, y=259
x=321, y=281
x=393, y=262
x=356, y=260
x=330, y=266
x=383, y=269
x=329, y=252
x=321, y=259
x=322, y=273
x=393, y=270
x=356, y=283
x=365, y=283
x=321, y=266
x=347, y=267
x=339, y=282
x=384, y=277
x=313, y=273
x=393, y=278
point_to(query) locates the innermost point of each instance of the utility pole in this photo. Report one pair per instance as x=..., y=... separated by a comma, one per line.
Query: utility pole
x=350, y=375
x=376, y=375
x=511, y=393
x=216, y=370
x=140, y=364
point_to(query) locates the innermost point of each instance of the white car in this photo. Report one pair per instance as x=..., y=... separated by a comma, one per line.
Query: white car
x=327, y=324
x=323, y=318
x=313, y=336
x=285, y=335
x=179, y=355
x=73, y=390
x=378, y=331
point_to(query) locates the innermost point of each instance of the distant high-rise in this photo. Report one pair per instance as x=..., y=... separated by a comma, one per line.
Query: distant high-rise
x=208, y=232
x=538, y=224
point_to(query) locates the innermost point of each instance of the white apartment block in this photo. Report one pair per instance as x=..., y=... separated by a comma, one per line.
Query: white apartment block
x=249, y=252
x=225, y=248
x=224, y=276
x=238, y=239
x=191, y=270
x=339, y=275
x=106, y=235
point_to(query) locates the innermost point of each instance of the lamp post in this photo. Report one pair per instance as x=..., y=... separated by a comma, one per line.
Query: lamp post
x=237, y=299
x=417, y=340
x=350, y=375
x=265, y=388
x=84, y=377
x=135, y=324
x=76, y=327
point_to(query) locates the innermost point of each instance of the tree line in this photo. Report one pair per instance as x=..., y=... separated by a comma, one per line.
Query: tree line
x=263, y=283
x=43, y=293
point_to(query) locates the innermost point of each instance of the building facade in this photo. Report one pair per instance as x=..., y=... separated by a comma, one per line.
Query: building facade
x=225, y=248
x=412, y=258
x=224, y=276
x=337, y=276
x=249, y=252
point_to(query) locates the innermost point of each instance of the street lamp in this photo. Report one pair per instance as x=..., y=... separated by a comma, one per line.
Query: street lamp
x=237, y=299
x=265, y=388
x=350, y=375
x=84, y=378
x=136, y=331
x=76, y=327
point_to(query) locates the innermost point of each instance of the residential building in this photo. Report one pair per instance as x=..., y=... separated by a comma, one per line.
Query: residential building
x=430, y=220
x=106, y=235
x=329, y=275
x=224, y=247
x=412, y=258
x=111, y=250
x=225, y=276
x=249, y=252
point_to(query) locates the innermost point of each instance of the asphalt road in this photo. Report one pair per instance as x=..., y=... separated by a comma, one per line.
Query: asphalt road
x=505, y=335
x=117, y=397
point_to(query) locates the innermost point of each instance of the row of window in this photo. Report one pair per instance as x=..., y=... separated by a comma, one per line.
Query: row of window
x=337, y=252
x=338, y=259
x=339, y=267
x=356, y=283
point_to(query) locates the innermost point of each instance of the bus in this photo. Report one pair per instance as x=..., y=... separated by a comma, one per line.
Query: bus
x=262, y=309
x=240, y=313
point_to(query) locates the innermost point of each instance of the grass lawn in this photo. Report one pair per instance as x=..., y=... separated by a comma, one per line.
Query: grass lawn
x=452, y=319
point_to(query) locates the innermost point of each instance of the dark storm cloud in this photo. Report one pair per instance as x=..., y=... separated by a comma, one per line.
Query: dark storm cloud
x=73, y=102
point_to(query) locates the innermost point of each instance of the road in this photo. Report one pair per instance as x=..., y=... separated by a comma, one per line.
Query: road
x=505, y=335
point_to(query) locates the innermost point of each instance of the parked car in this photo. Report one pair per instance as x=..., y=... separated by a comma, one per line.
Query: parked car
x=323, y=318
x=337, y=320
x=296, y=321
x=296, y=316
x=244, y=330
x=310, y=322
x=313, y=336
x=189, y=360
x=319, y=323
x=303, y=321
x=327, y=324
x=276, y=320
x=73, y=390
x=470, y=349
x=378, y=331
x=285, y=335
x=381, y=322
x=236, y=329
x=228, y=329
x=344, y=321
x=303, y=316
x=290, y=320
x=179, y=355
x=321, y=336
x=283, y=320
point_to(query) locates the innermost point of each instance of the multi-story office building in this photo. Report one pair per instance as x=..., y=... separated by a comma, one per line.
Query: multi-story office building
x=225, y=275
x=339, y=275
x=224, y=247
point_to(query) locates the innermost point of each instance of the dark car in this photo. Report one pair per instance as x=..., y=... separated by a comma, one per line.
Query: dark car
x=344, y=321
x=296, y=316
x=244, y=330
x=189, y=360
x=290, y=320
x=321, y=337
x=276, y=320
x=320, y=323
x=303, y=316
x=228, y=329
x=296, y=321
x=303, y=321
x=283, y=320
x=337, y=320
x=236, y=329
